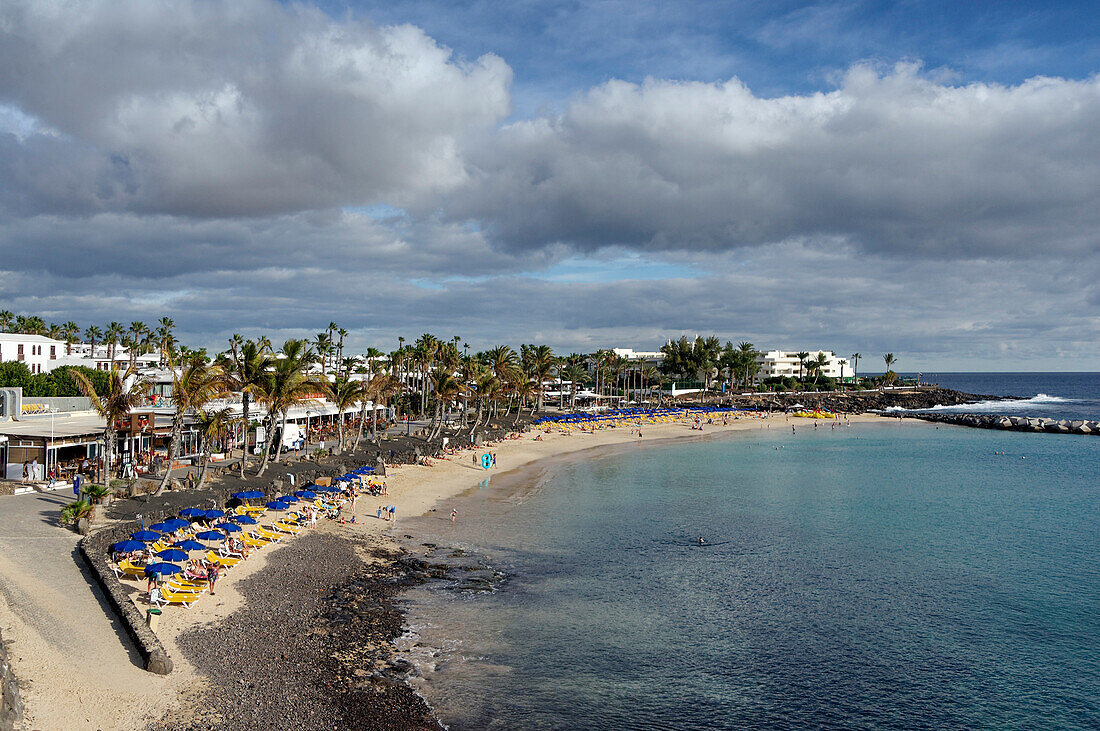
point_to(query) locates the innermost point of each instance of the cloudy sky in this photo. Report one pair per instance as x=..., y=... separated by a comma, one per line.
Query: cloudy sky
x=916, y=177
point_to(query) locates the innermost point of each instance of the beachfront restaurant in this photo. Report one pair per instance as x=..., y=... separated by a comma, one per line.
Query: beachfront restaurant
x=61, y=441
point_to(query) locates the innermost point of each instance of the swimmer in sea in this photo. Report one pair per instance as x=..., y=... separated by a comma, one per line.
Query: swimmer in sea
x=701, y=541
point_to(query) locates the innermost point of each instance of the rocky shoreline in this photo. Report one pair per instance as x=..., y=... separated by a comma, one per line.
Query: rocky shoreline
x=312, y=646
x=859, y=402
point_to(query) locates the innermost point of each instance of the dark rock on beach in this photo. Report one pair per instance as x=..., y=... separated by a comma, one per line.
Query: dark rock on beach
x=311, y=648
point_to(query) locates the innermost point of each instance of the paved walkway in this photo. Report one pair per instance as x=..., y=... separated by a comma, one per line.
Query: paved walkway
x=67, y=647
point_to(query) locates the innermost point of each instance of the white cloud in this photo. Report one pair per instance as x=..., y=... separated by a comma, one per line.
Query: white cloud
x=241, y=108
x=894, y=163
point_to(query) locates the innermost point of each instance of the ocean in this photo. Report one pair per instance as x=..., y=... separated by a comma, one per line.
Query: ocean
x=895, y=575
x=1047, y=395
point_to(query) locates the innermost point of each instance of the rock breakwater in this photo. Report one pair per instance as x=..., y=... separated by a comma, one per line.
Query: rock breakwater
x=1011, y=423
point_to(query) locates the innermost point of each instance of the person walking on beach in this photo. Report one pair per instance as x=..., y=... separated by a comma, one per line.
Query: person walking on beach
x=454, y=514
x=212, y=575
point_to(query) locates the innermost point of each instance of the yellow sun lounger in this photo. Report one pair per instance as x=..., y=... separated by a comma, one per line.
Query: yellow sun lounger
x=126, y=567
x=266, y=534
x=254, y=542
x=286, y=527
x=166, y=596
x=188, y=586
x=222, y=560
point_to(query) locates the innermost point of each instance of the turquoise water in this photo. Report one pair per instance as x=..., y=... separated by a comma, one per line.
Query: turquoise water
x=881, y=576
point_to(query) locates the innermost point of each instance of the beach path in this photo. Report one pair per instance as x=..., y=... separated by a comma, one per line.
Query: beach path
x=76, y=666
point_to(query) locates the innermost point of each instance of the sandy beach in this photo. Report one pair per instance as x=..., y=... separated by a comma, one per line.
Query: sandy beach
x=77, y=670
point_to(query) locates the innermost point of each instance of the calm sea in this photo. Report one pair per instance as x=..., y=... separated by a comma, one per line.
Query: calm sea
x=891, y=575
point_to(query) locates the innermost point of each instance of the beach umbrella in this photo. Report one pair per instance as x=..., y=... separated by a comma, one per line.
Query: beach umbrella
x=162, y=569
x=127, y=546
x=276, y=505
x=306, y=494
x=211, y=535
x=175, y=524
x=145, y=535
x=172, y=554
x=248, y=495
x=288, y=499
x=214, y=514
x=193, y=513
x=228, y=527
x=330, y=488
x=189, y=545
x=160, y=528
x=244, y=520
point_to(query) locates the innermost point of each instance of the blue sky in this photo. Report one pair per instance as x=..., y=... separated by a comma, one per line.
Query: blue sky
x=913, y=177
x=777, y=48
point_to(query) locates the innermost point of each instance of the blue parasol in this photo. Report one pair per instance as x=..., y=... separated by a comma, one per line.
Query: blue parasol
x=176, y=523
x=162, y=569
x=228, y=527
x=244, y=520
x=172, y=554
x=160, y=527
x=248, y=495
x=211, y=535
x=145, y=535
x=193, y=513
x=127, y=546
x=276, y=505
x=189, y=545
x=215, y=514
x=288, y=499
x=306, y=494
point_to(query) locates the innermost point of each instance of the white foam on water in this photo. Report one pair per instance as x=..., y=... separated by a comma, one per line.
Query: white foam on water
x=1037, y=401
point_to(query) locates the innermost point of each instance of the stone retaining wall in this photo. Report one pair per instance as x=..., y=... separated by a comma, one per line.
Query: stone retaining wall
x=93, y=549
x=1013, y=423
x=11, y=703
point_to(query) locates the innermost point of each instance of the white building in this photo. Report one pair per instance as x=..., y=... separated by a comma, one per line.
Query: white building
x=649, y=357
x=39, y=353
x=778, y=363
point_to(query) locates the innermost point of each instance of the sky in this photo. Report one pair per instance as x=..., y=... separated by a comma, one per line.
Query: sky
x=921, y=178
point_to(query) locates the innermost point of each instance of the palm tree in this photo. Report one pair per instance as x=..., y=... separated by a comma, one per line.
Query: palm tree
x=53, y=332
x=6, y=319
x=543, y=361
x=503, y=363
x=802, y=357
x=447, y=389
x=111, y=336
x=124, y=391
x=890, y=360
x=214, y=428
x=855, y=365
x=193, y=387
x=165, y=339
x=575, y=373
x=288, y=386
x=70, y=331
x=92, y=333
x=343, y=393
x=323, y=344
x=248, y=375
x=340, y=346
x=842, y=363
x=235, y=343
x=817, y=364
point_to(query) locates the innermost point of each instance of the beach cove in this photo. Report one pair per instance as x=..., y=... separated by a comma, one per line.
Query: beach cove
x=895, y=574
x=49, y=648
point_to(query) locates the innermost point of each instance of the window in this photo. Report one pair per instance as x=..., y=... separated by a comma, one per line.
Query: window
x=53, y=352
x=20, y=346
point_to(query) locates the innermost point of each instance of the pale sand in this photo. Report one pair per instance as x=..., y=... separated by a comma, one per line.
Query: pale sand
x=66, y=650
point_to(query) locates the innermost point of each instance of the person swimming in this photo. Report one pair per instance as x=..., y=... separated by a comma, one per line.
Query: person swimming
x=701, y=541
